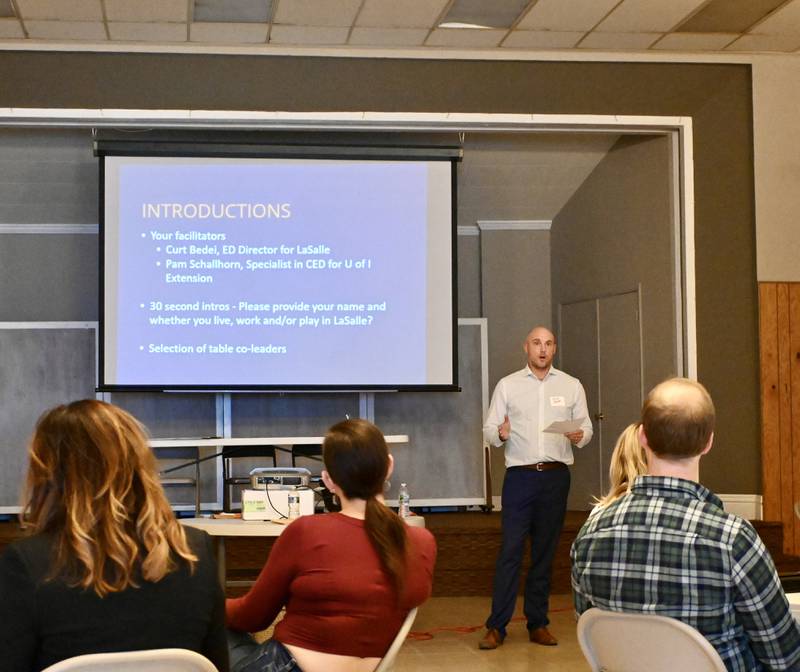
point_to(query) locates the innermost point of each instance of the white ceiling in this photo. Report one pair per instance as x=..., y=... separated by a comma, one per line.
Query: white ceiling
x=721, y=26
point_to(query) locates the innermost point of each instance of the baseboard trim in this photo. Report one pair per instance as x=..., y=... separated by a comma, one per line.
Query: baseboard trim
x=748, y=507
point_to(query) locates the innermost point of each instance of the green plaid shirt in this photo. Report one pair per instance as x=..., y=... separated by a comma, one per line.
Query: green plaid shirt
x=669, y=548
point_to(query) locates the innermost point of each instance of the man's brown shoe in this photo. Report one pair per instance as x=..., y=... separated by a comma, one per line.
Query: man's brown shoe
x=542, y=636
x=491, y=640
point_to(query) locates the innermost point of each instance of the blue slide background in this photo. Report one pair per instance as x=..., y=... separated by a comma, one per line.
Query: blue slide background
x=361, y=210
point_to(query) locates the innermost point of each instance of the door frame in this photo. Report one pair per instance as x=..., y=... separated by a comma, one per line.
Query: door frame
x=599, y=433
x=679, y=129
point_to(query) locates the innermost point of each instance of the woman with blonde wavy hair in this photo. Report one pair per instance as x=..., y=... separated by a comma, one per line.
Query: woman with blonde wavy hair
x=627, y=462
x=107, y=567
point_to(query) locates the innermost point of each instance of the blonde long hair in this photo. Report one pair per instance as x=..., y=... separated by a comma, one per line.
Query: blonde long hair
x=627, y=462
x=93, y=485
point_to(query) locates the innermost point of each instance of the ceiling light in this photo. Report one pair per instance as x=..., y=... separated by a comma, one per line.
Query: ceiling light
x=458, y=24
x=232, y=11
x=482, y=14
x=6, y=10
x=728, y=16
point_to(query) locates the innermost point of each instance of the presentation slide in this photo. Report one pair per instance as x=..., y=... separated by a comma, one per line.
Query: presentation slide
x=228, y=272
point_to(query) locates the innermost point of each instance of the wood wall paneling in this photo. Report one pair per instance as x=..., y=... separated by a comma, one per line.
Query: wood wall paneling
x=770, y=416
x=785, y=410
x=779, y=348
x=793, y=363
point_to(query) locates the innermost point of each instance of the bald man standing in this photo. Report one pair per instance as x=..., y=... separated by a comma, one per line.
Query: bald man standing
x=668, y=547
x=537, y=480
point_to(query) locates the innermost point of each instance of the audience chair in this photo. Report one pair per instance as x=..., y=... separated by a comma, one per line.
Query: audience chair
x=387, y=662
x=153, y=660
x=309, y=450
x=182, y=452
x=624, y=642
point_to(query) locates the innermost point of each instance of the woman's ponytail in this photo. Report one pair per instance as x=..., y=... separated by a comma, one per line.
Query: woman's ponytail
x=387, y=532
x=357, y=459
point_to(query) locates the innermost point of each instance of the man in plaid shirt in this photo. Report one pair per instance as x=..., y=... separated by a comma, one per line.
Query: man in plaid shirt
x=669, y=548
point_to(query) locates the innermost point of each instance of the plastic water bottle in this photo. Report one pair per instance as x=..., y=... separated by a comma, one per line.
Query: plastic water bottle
x=404, y=502
x=294, y=505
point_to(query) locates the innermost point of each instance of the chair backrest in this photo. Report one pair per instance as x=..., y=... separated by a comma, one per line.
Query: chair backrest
x=624, y=642
x=387, y=662
x=152, y=660
x=255, y=450
x=230, y=453
x=309, y=450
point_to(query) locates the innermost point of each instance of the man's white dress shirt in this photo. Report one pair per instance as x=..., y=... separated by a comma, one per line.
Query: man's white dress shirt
x=531, y=405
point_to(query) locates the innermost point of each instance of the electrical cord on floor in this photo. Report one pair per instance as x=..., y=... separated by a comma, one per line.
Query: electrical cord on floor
x=464, y=629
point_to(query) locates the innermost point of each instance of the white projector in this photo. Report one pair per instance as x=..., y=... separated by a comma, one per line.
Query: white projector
x=279, y=478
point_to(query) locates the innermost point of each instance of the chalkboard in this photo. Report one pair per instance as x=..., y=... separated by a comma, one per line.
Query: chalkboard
x=39, y=368
x=443, y=461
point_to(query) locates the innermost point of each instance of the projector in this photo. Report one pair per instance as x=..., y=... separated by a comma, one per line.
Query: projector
x=279, y=478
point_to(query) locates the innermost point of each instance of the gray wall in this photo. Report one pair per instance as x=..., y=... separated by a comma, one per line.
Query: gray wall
x=515, y=267
x=616, y=232
x=524, y=175
x=716, y=96
x=48, y=177
x=469, y=276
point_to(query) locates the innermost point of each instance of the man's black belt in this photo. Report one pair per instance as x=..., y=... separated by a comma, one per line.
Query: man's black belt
x=541, y=466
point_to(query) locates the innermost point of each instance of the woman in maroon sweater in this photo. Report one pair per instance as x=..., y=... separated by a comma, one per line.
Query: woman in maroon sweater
x=347, y=580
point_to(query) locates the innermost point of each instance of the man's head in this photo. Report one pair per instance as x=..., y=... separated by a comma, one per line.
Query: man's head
x=540, y=347
x=678, y=419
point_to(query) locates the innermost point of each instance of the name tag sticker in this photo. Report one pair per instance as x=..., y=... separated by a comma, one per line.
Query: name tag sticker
x=557, y=401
